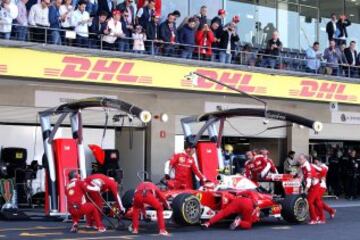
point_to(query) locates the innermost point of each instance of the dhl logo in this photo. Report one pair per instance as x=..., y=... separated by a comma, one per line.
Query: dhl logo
x=238, y=80
x=3, y=68
x=100, y=70
x=322, y=91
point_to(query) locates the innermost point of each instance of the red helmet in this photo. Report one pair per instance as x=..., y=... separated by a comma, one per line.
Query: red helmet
x=98, y=153
x=236, y=19
x=221, y=12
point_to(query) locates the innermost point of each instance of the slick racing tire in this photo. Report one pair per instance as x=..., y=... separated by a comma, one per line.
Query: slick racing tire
x=295, y=209
x=128, y=198
x=186, y=209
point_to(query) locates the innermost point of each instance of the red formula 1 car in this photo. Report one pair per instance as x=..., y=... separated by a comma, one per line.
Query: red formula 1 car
x=192, y=206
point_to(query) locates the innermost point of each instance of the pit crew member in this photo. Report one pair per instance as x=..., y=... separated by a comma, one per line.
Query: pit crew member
x=322, y=171
x=105, y=184
x=312, y=188
x=148, y=193
x=77, y=205
x=265, y=153
x=257, y=168
x=246, y=209
x=184, y=166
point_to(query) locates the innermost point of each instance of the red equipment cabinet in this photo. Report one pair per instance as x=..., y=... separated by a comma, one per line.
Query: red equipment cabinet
x=208, y=160
x=66, y=159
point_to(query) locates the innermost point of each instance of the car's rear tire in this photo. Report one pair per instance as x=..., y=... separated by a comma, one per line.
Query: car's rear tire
x=186, y=209
x=128, y=198
x=295, y=209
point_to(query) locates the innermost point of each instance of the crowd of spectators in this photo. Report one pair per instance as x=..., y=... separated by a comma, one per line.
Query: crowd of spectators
x=139, y=27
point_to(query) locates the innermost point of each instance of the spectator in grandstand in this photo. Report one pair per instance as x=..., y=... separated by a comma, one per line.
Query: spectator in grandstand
x=202, y=17
x=167, y=34
x=333, y=57
x=81, y=20
x=96, y=29
x=114, y=33
x=152, y=33
x=127, y=28
x=344, y=64
x=106, y=5
x=228, y=41
x=273, y=49
x=39, y=20
x=128, y=6
x=247, y=56
x=220, y=20
x=341, y=25
x=55, y=22
x=331, y=27
x=235, y=20
x=204, y=39
x=187, y=37
x=66, y=10
x=352, y=59
x=144, y=14
x=215, y=46
x=313, y=58
x=21, y=30
x=139, y=38
x=8, y=12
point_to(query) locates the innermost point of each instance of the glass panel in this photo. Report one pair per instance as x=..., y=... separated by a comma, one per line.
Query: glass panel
x=169, y=6
x=288, y=20
x=353, y=13
x=246, y=10
x=213, y=8
x=266, y=16
x=308, y=26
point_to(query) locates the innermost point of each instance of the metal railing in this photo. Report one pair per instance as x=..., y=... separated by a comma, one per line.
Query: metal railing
x=286, y=60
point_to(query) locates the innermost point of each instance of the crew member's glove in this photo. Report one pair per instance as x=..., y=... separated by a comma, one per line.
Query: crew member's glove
x=74, y=228
x=122, y=210
x=167, y=176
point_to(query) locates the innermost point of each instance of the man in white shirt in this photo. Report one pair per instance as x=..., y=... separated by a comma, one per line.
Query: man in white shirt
x=114, y=33
x=8, y=12
x=81, y=20
x=39, y=20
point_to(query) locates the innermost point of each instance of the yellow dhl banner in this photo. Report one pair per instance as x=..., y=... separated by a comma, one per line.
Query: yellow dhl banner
x=56, y=66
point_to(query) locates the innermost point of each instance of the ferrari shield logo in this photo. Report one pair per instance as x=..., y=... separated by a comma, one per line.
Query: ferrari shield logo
x=181, y=159
x=71, y=192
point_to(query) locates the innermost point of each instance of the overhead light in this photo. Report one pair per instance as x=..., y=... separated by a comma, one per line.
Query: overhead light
x=145, y=116
x=163, y=117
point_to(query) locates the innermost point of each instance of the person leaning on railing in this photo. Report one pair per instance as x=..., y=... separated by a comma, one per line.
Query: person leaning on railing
x=8, y=12
x=96, y=29
x=204, y=39
x=186, y=36
x=39, y=20
x=21, y=29
x=55, y=22
x=313, y=58
x=66, y=10
x=168, y=34
x=152, y=34
x=113, y=33
x=81, y=20
x=333, y=57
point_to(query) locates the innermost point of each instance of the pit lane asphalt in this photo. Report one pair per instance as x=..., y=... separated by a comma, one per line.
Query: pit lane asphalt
x=345, y=226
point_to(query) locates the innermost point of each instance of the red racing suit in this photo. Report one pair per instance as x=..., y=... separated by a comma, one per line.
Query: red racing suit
x=258, y=168
x=322, y=172
x=108, y=184
x=313, y=186
x=237, y=205
x=184, y=166
x=148, y=193
x=77, y=205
